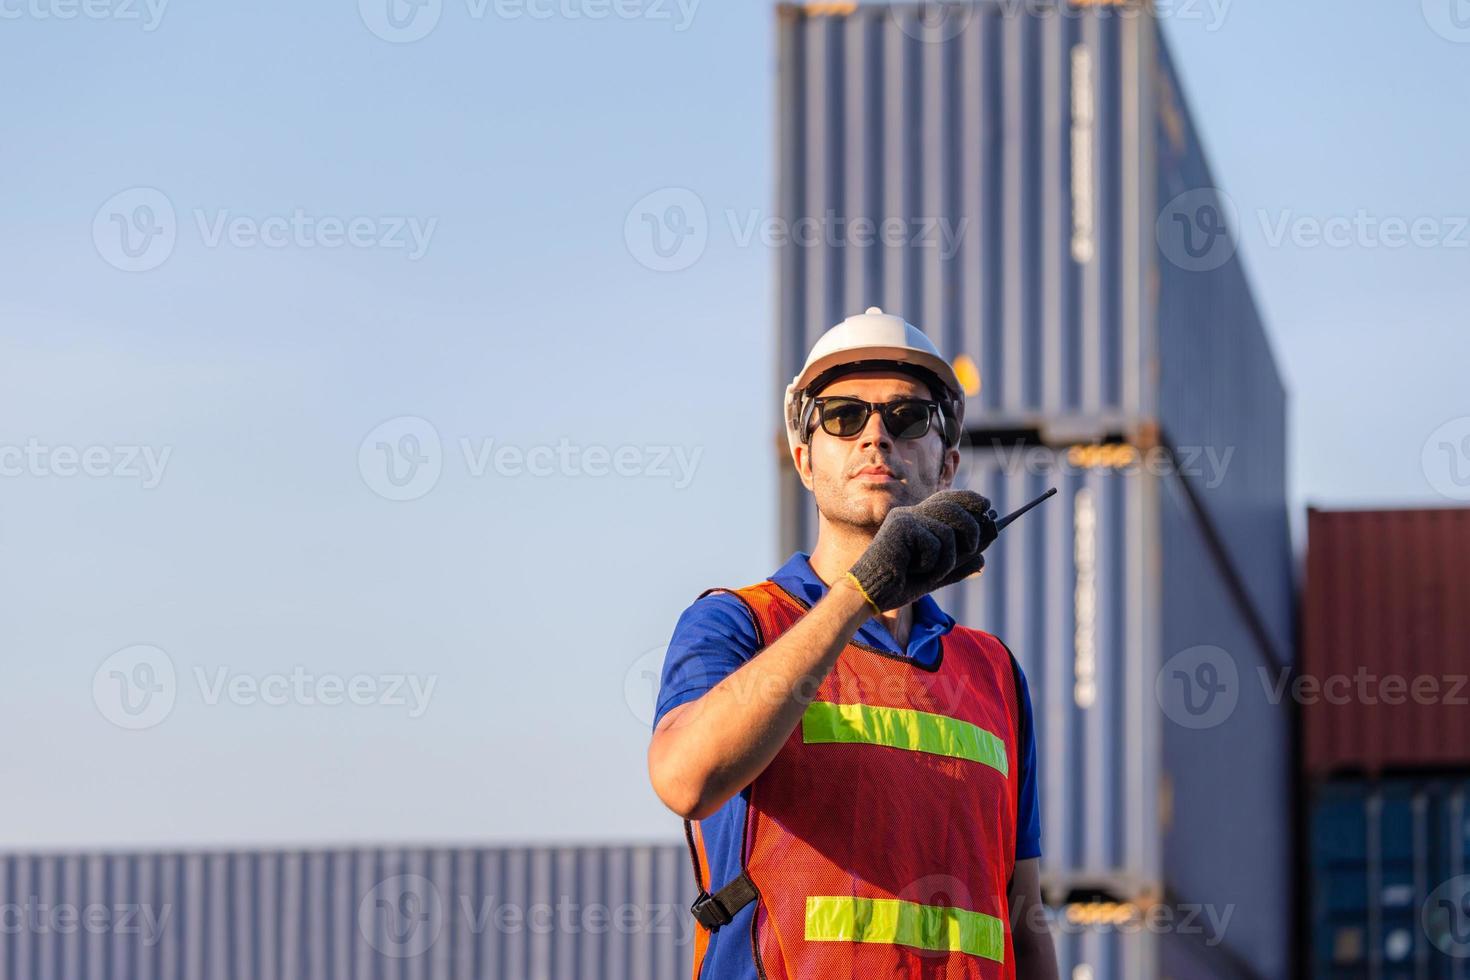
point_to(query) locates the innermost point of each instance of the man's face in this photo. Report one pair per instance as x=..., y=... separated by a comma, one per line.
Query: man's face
x=857, y=481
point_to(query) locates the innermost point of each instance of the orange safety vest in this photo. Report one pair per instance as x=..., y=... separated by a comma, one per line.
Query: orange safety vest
x=881, y=839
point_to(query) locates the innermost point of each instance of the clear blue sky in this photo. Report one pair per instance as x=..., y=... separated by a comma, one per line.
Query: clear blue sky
x=532, y=601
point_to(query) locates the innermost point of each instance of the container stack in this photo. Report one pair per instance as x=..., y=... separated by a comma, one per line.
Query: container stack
x=1046, y=213
x=1385, y=692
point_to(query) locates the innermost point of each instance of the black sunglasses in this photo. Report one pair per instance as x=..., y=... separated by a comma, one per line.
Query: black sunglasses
x=904, y=418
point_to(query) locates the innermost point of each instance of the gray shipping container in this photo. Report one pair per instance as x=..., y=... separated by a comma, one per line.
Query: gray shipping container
x=1050, y=218
x=415, y=914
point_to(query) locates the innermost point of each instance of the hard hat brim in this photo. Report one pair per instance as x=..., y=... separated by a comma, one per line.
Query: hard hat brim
x=901, y=355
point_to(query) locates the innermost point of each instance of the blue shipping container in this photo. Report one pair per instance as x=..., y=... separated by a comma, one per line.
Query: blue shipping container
x=1047, y=193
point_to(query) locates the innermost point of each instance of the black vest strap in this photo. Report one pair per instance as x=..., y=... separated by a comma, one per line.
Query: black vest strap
x=718, y=909
x=713, y=911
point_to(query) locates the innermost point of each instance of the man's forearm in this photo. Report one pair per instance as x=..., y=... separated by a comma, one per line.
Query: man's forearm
x=706, y=751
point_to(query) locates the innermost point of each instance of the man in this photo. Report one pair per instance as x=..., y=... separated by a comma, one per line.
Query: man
x=861, y=769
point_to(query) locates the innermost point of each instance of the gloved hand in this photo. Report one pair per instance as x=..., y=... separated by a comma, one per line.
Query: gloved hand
x=925, y=547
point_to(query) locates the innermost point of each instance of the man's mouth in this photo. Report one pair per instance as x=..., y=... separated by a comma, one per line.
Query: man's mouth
x=876, y=472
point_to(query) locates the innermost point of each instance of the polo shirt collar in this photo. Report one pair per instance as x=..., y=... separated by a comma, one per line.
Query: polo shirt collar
x=929, y=626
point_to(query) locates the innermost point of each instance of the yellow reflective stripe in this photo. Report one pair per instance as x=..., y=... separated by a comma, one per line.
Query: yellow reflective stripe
x=840, y=918
x=903, y=728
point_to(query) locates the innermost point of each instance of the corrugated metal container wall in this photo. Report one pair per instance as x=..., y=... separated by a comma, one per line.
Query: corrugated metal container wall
x=1221, y=403
x=1025, y=152
x=961, y=131
x=1223, y=749
x=554, y=913
x=1387, y=595
x=1061, y=589
x=1068, y=589
x=1390, y=897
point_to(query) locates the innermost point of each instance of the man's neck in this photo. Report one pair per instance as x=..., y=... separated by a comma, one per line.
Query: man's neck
x=837, y=549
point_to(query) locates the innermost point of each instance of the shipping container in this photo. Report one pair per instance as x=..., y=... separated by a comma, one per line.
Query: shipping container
x=1035, y=181
x=428, y=914
x=1386, y=640
x=549, y=913
x=1389, y=891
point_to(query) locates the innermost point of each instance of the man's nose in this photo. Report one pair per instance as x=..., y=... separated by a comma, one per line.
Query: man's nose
x=875, y=433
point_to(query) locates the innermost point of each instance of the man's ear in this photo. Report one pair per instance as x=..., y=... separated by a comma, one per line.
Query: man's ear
x=948, y=468
x=802, y=457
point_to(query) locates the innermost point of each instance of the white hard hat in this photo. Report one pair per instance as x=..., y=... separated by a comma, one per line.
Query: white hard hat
x=873, y=336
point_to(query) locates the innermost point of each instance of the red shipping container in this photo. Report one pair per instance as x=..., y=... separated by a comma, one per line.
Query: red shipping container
x=1385, y=671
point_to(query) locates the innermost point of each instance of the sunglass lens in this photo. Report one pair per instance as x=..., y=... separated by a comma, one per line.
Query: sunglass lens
x=844, y=418
x=907, y=420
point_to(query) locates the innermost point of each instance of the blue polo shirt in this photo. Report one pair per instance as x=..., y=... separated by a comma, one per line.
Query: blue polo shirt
x=712, y=639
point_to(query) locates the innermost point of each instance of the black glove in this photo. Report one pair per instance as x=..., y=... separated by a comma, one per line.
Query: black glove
x=925, y=547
